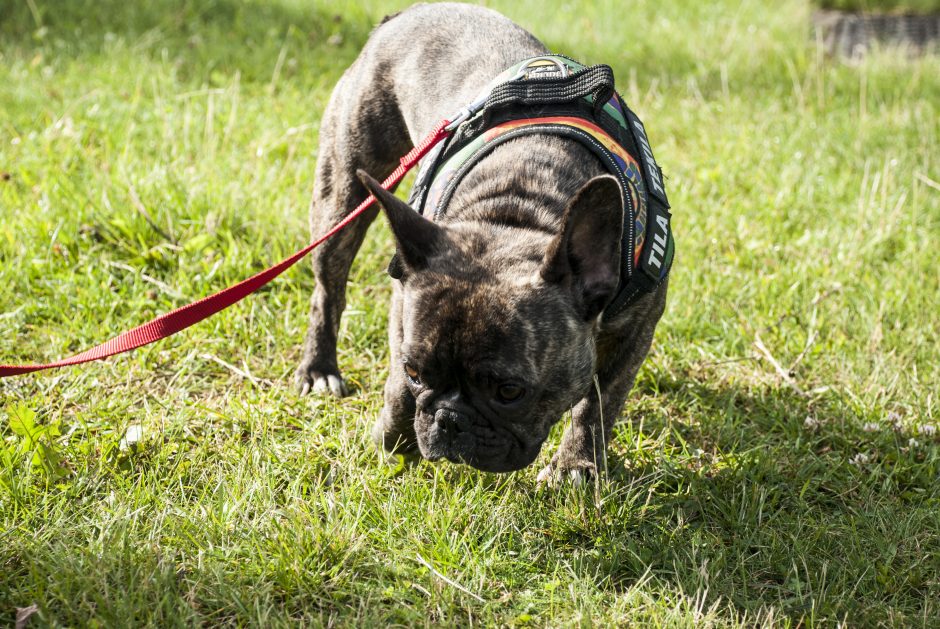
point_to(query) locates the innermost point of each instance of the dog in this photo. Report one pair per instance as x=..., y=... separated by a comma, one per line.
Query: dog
x=497, y=324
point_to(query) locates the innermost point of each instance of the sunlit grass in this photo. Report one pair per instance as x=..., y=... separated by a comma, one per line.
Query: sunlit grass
x=778, y=462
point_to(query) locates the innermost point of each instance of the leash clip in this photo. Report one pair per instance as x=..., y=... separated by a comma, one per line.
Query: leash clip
x=466, y=113
x=473, y=108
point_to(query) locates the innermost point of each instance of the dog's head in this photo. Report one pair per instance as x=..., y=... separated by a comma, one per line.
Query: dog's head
x=498, y=323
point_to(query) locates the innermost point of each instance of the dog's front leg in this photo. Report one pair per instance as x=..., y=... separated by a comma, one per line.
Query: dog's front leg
x=583, y=450
x=361, y=128
x=394, y=430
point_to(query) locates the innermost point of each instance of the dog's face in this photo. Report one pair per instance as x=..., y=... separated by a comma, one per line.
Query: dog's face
x=492, y=364
x=498, y=324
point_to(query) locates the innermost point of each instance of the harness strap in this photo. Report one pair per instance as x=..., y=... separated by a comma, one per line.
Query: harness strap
x=596, y=81
x=554, y=94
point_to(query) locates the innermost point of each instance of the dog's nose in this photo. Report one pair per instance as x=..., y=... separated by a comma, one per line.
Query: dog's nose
x=446, y=419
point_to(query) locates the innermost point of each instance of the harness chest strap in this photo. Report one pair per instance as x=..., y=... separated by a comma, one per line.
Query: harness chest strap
x=555, y=95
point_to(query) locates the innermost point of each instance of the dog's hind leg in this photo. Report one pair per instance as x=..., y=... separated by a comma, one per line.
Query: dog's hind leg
x=362, y=127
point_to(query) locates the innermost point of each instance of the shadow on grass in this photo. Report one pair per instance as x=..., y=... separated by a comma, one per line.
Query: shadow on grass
x=743, y=501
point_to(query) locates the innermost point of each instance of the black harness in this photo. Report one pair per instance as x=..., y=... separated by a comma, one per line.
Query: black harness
x=555, y=95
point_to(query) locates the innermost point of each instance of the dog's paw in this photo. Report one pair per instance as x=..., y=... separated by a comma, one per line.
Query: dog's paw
x=320, y=383
x=577, y=474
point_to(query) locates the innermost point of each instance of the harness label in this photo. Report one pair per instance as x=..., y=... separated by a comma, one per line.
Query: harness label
x=653, y=173
x=658, y=246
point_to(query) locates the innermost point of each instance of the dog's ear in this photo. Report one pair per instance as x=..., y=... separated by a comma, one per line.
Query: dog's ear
x=416, y=237
x=586, y=254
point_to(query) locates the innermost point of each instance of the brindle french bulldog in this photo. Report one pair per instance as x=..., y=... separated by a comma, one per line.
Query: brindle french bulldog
x=496, y=325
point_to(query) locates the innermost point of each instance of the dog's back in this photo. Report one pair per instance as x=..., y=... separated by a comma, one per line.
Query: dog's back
x=439, y=56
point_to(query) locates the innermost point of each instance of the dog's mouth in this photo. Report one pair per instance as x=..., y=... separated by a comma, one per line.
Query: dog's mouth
x=478, y=444
x=486, y=462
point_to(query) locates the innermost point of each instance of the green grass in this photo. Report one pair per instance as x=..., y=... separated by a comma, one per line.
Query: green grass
x=187, y=484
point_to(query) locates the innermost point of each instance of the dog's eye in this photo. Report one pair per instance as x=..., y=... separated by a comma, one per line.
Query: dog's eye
x=412, y=374
x=509, y=393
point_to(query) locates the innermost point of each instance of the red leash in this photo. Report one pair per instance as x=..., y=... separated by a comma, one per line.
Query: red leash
x=172, y=322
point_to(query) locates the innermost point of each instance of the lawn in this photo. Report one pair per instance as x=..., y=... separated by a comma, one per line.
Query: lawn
x=778, y=462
